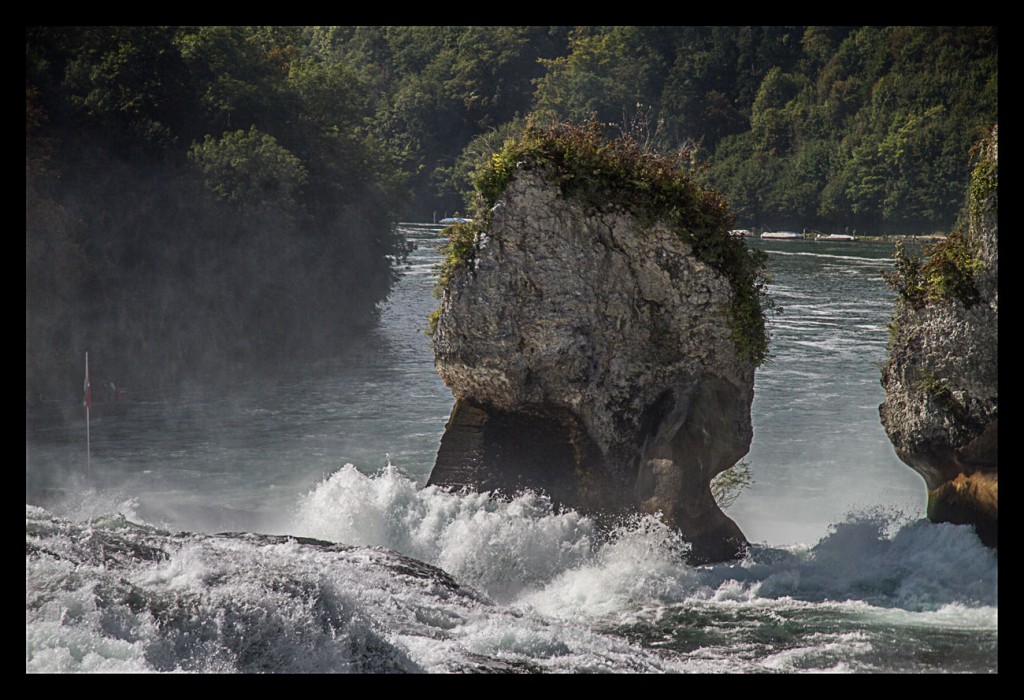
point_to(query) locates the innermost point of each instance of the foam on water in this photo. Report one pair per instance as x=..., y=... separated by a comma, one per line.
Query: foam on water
x=846, y=259
x=530, y=589
x=561, y=565
x=874, y=558
x=151, y=602
x=638, y=565
x=112, y=596
x=502, y=547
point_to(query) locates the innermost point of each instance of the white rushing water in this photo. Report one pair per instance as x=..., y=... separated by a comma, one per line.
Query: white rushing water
x=124, y=571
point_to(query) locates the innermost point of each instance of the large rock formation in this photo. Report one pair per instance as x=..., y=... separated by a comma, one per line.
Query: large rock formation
x=941, y=380
x=592, y=356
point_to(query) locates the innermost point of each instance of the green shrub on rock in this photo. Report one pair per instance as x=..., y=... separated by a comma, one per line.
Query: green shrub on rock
x=622, y=174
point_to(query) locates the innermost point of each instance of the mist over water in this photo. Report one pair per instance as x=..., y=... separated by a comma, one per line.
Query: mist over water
x=846, y=575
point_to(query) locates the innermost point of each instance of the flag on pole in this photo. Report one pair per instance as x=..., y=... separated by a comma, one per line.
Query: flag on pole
x=87, y=402
x=87, y=396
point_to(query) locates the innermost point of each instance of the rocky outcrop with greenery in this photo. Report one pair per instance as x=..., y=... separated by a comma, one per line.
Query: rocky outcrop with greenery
x=941, y=405
x=600, y=331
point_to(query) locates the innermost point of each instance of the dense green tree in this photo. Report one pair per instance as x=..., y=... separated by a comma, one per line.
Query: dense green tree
x=436, y=88
x=251, y=170
x=873, y=135
x=605, y=74
x=198, y=198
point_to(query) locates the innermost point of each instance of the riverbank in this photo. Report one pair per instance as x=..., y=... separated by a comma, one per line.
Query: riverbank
x=923, y=238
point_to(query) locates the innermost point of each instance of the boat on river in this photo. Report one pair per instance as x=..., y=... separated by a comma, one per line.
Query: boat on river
x=782, y=235
x=834, y=237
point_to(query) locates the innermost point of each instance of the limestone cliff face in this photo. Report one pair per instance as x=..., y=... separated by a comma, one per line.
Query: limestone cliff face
x=592, y=357
x=941, y=381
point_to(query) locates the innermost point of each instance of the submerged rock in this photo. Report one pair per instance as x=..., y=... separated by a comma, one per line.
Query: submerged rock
x=941, y=380
x=592, y=356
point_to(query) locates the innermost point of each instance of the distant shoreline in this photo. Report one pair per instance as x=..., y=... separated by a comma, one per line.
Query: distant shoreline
x=924, y=238
x=885, y=238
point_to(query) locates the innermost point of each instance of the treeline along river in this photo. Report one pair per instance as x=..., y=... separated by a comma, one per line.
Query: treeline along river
x=282, y=525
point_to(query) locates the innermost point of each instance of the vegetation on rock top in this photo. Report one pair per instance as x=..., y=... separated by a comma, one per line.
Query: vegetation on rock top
x=947, y=270
x=625, y=174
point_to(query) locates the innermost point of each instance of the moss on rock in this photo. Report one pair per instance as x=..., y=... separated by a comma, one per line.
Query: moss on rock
x=623, y=175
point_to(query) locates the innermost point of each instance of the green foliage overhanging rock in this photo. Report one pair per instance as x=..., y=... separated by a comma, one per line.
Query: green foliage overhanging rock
x=623, y=175
x=941, y=407
x=590, y=333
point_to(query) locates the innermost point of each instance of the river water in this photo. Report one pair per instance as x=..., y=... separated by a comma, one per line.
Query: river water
x=130, y=566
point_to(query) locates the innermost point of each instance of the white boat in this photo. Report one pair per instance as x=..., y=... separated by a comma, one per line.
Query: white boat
x=834, y=237
x=782, y=234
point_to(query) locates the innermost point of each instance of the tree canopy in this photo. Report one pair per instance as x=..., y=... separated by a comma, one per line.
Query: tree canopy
x=198, y=198
x=202, y=195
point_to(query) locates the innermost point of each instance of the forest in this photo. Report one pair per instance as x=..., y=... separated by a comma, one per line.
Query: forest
x=219, y=198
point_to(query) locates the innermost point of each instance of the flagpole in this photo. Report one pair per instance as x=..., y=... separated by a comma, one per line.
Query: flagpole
x=88, y=401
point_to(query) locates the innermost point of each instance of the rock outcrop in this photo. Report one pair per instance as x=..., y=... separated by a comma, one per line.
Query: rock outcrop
x=941, y=380
x=592, y=357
